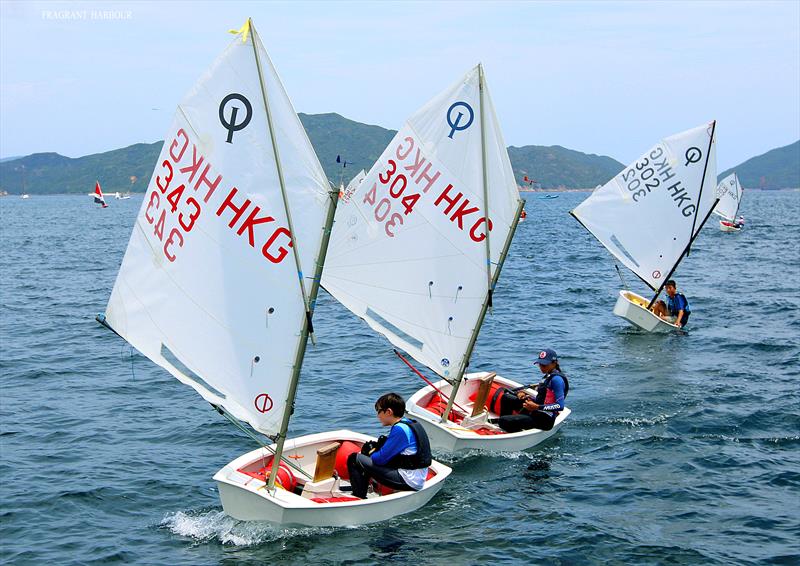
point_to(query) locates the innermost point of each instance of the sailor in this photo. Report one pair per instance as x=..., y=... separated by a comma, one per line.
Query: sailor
x=400, y=460
x=539, y=411
x=676, y=310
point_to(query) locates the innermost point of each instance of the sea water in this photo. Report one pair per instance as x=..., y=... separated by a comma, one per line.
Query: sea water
x=681, y=448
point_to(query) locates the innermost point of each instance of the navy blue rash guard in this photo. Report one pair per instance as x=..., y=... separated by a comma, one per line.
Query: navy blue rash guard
x=554, y=401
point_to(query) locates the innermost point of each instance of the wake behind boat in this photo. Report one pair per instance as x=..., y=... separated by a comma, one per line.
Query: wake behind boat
x=212, y=289
x=648, y=216
x=418, y=246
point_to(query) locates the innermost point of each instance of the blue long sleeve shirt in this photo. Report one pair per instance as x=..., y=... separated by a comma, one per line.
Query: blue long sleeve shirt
x=401, y=440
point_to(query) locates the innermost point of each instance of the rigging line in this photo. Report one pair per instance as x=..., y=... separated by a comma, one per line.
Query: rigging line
x=282, y=183
x=425, y=379
x=260, y=442
x=624, y=284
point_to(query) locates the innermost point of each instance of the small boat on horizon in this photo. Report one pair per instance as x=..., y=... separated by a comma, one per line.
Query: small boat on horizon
x=730, y=193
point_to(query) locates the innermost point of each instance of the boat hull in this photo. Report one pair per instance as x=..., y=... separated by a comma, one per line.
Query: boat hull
x=451, y=437
x=633, y=308
x=729, y=226
x=246, y=498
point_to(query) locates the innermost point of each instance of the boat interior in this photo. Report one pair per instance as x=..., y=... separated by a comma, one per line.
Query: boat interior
x=318, y=472
x=472, y=408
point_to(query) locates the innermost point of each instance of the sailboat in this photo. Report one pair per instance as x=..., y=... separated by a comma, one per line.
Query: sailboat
x=219, y=282
x=98, y=195
x=417, y=249
x=729, y=193
x=649, y=214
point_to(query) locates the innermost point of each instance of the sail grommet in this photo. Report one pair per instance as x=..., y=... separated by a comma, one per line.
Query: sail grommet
x=430, y=284
x=460, y=287
x=449, y=320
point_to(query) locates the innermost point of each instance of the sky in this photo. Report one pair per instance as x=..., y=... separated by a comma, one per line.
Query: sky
x=610, y=78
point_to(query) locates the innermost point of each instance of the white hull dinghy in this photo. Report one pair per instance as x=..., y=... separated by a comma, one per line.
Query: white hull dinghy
x=212, y=289
x=301, y=501
x=633, y=308
x=729, y=193
x=418, y=246
x=649, y=214
x=463, y=432
x=728, y=226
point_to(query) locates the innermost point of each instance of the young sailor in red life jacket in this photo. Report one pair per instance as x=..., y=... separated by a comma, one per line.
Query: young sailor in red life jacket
x=540, y=411
x=400, y=460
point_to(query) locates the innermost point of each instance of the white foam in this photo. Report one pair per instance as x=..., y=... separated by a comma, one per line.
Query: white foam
x=215, y=525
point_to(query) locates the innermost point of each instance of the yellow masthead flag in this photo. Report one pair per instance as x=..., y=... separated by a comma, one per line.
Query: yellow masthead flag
x=244, y=30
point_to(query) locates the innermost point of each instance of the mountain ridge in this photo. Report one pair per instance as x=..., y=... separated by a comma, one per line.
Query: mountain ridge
x=551, y=167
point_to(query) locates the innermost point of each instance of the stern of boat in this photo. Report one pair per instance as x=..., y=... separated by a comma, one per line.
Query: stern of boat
x=633, y=308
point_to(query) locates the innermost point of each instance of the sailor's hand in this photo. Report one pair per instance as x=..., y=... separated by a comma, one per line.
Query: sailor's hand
x=530, y=405
x=521, y=395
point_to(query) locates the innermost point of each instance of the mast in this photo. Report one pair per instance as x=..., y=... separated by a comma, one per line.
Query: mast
x=474, y=338
x=700, y=194
x=307, y=328
x=481, y=89
x=739, y=193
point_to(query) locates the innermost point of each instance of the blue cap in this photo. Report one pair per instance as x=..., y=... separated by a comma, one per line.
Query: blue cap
x=546, y=356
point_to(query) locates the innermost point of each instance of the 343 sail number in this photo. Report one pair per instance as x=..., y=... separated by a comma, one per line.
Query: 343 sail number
x=187, y=217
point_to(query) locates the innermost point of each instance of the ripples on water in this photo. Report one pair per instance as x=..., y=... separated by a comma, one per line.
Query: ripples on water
x=680, y=449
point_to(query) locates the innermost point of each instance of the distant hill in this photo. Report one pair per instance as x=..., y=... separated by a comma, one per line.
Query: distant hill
x=556, y=167
x=330, y=134
x=777, y=169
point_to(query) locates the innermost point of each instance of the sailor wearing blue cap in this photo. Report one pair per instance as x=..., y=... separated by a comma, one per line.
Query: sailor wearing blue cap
x=540, y=411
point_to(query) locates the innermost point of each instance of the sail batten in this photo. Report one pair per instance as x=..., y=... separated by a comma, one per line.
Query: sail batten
x=648, y=214
x=414, y=242
x=209, y=279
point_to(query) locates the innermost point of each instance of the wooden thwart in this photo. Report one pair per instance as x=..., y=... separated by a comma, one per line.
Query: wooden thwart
x=326, y=461
x=483, y=392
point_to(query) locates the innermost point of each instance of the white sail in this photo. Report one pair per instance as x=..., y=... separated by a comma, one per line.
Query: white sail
x=729, y=193
x=648, y=214
x=407, y=251
x=347, y=193
x=208, y=287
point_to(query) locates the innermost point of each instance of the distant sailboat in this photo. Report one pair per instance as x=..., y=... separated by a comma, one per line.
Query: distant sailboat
x=730, y=193
x=98, y=195
x=219, y=283
x=648, y=216
x=417, y=250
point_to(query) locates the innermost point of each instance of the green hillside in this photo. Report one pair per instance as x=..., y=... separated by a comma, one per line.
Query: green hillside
x=331, y=135
x=556, y=167
x=777, y=169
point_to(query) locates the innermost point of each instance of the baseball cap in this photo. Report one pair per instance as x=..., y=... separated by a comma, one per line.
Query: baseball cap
x=546, y=356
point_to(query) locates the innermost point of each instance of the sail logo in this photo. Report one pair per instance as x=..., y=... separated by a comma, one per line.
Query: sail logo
x=233, y=125
x=263, y=403
x=455, y=124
